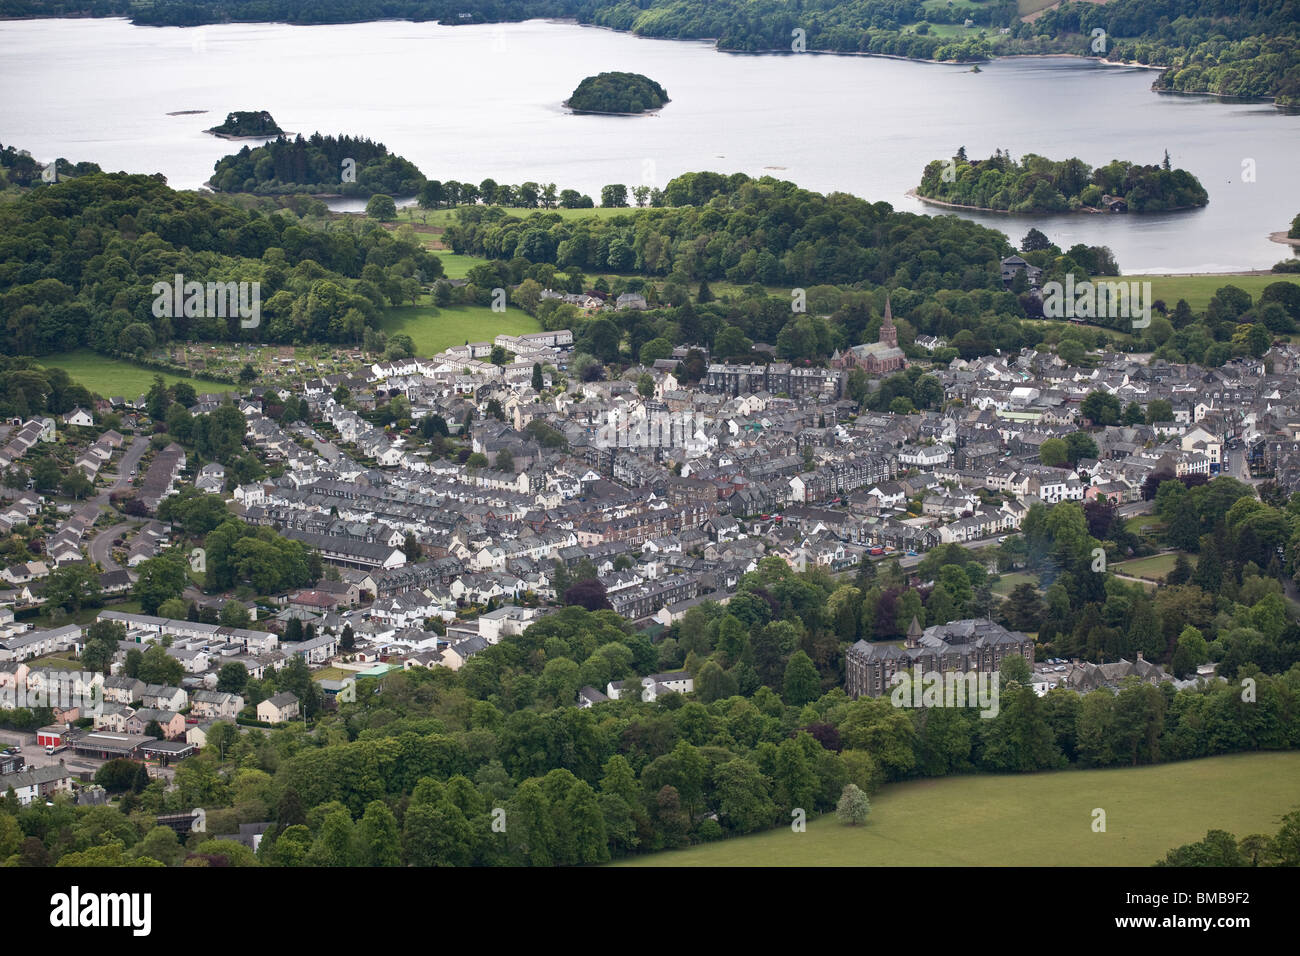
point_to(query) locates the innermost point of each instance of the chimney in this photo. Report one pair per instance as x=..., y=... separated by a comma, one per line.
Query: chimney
x=1140, y=657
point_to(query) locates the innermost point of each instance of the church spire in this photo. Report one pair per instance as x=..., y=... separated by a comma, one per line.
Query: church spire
x=888, y=333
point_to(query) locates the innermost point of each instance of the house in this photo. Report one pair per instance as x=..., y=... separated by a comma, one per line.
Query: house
x=40, y=783
x=655, y=685
x=215, y=704
x=79, y=416
x=163, y=697
x=281, y=708
x=172, y=724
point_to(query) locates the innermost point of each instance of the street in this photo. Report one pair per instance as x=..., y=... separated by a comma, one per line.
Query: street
x=101, y=545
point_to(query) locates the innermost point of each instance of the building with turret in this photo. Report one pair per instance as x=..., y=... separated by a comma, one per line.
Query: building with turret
x=877, y=358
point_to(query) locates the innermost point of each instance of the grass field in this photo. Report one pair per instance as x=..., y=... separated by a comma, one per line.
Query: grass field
x=457, y=266
x=442, y=217
x=54, y=662
x=433, y=329
x=330, y=673
x=1154, y=568
x=1009, y=582
x=1144, y=524
x=112, y=376
x=1040, y=819
x=1198, y=290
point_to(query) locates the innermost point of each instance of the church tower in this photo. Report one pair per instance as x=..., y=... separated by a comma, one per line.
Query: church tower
x=888, y=333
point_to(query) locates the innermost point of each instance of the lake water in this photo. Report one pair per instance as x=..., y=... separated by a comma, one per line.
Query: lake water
x=467, y=103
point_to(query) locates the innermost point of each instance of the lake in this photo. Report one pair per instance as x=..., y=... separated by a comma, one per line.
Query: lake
x=471, y=102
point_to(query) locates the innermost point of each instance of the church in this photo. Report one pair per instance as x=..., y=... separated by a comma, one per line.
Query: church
x=878, y=358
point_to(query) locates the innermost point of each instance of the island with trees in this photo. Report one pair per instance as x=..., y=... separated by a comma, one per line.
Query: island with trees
x=251, y=124
x=1037, y=184
x=330, y=165
x=622, y=93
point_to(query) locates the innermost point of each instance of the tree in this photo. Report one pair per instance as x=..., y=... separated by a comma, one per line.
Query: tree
x=613, y=195
x=853, y=806
x=381, y=207
x=377, y=837
x=1101, y=408
x=46, y=474
x=1035, y=241
x=101, y=645
x=504, y=461
x=589, y=593
x=1023, y=609
x=72, y=587
x=1054, y=452
x=234, y=614
x=232, y=678
x=538, y=382
x=157, y=667
x=76, y=485
x=160, y=578
x=802, y=683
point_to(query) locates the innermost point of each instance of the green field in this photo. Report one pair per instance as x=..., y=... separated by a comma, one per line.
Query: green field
x=1154, y=568
x=456, y=266
x=112, y=376
x=1140, y=524
x=433, y=329
x=1009, y=582
x=56, y=662
x=441, y=217
x=1042, y=819
x=1198, y=290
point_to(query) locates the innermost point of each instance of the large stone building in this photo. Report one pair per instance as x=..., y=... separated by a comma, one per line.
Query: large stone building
x=877, y=358
x=778, y=378
x=977, y=645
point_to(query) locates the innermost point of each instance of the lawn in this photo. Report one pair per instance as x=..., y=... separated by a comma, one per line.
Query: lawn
x=1144, y=524
x=1009, y=582
x=330, y=673
x=1198, y=290
x=112, y=376
x=1042, y=819
x=456, y=266
x=434, y=329
x=54, y=662
x=1154, y=568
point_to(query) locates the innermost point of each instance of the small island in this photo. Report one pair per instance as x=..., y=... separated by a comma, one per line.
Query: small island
x=1037, y=184
x=617, y=93
x=319, y=165
x=247, y=123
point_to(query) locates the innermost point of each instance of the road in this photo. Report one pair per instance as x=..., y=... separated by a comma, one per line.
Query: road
x=101, y=546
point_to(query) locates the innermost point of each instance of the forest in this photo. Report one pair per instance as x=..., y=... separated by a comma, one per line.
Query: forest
x=1220, y=47
x=339, y=165
x=1037, y=184
x=78, y=260
x=417, y=770
x=617, y=93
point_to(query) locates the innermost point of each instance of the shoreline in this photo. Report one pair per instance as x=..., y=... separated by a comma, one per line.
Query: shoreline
x=238, y=136
x=1087, y=210
x=1282, y=238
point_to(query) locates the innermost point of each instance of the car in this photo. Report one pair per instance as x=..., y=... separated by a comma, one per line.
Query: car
x=911, y=553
